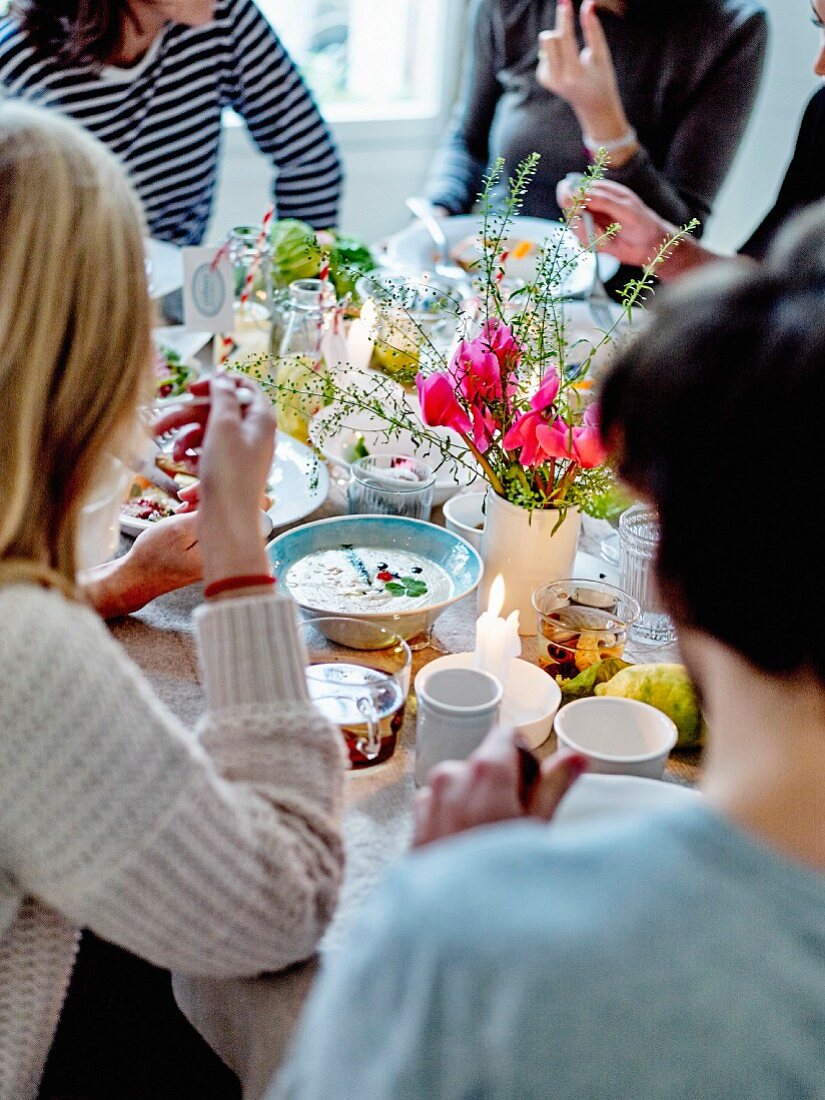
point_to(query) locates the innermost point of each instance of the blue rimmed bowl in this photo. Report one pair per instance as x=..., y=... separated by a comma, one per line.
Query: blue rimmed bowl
x=455, y=556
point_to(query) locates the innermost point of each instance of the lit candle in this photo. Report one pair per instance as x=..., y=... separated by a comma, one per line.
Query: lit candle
x=497, y=639
x=361, y=337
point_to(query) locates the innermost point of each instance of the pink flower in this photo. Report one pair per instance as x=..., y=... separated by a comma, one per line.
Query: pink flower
x=523, y=435
x=484, y=427
x=555, y=440
x=501, y=341
x=547, y=392
x=439, y=404
x=476, y=372
x=587, y=442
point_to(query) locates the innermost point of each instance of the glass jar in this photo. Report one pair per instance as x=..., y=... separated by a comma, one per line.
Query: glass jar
x=305, y=319
x=251, y=258
x=638, y=547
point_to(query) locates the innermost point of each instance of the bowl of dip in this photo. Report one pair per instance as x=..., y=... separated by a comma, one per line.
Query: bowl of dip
x=391, y=571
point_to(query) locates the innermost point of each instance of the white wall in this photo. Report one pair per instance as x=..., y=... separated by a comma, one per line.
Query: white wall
x=765, y=152
x=387, y=161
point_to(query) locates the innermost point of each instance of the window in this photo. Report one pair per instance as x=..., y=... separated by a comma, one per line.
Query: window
x=368, y=59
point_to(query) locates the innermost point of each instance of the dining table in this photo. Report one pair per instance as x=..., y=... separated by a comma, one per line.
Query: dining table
x=249, y=1022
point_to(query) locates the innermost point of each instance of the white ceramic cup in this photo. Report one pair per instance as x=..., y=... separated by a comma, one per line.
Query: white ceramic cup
x=457, y=708
x=464, y=516
x=618, y=736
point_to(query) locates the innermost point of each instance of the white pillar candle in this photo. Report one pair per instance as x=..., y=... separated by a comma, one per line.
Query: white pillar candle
x=361, y=338
x=497, y=639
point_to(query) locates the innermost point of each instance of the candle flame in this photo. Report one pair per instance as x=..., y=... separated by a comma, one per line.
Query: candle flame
x=496, y=601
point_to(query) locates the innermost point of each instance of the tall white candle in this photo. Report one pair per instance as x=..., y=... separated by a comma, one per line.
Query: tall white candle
x=361, y=337
x=497, y=639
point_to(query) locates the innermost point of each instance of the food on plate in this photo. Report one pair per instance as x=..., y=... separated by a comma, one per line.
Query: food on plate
x=352, y=579
x=146, y=501
x=172, y=375
x=299, y=252
x=521, y=259
x=667, y=687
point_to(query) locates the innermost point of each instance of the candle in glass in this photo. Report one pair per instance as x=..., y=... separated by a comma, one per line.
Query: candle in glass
x=360, y=339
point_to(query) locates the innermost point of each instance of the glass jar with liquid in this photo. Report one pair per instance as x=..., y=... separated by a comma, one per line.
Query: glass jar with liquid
x=306, y=317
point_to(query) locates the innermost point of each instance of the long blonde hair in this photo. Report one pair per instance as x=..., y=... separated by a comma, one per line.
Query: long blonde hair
x=75, y=332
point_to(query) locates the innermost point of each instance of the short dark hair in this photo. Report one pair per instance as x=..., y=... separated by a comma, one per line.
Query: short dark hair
x=716, y=414
x=76, y=32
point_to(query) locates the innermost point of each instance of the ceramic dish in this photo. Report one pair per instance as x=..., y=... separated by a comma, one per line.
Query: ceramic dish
x=362, y=433
x=618, y=736
x=610, y=797
x=531, y=697
x=412, y=249
x=298, y=484
x=331, y=568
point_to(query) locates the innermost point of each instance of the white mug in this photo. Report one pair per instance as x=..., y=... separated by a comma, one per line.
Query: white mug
x=457, y=708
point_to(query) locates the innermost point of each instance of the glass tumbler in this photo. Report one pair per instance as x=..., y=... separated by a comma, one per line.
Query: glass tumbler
x=391, y=485
x=638, y=545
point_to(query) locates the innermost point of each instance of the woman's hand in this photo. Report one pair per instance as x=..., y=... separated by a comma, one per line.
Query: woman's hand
x=642, y=229
x=586, y=79
x=164, y=557
x=487, y=788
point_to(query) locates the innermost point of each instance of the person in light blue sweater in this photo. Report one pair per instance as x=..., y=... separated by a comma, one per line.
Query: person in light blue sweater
x=675, y=956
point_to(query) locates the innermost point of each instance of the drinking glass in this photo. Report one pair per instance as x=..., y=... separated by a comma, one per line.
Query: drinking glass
x=581, y=622
x=638, y=544
x=392, y=485
x=361, y=684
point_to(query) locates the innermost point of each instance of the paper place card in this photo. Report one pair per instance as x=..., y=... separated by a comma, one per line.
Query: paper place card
x=208, y=291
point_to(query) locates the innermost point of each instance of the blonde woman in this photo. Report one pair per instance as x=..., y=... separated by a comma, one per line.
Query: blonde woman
x=216, y=854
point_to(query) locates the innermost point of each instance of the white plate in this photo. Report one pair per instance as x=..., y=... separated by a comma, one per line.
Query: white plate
x=449, y=479
x=412, y=248
x=291, y=478
x=164, y=267
x=176, y=338
x=605, y=797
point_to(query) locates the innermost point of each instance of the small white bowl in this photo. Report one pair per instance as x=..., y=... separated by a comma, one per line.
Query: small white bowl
x=531, y=697
x=464, y=516
x=618, y=736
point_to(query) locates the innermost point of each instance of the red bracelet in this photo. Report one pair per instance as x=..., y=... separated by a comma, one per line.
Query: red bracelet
x=229, y=584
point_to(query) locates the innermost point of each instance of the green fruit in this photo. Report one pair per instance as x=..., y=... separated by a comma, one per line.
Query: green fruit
x=669, y=689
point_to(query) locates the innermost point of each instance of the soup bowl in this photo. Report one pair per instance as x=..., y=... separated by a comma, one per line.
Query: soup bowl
x=454, y=564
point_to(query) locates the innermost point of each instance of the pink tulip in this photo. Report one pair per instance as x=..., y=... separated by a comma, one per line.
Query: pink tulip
x=547, y=392
x=439, y=405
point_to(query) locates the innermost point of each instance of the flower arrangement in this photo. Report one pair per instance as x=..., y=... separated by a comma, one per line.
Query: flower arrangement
x=513, y=391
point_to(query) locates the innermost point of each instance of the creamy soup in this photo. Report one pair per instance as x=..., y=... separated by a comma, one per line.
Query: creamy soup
x=362, y=579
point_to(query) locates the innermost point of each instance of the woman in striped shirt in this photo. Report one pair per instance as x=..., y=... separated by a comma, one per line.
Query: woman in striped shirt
x=151, y=78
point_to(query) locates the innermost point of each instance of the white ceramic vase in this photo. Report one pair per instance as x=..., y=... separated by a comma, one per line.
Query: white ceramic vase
x=526, y=550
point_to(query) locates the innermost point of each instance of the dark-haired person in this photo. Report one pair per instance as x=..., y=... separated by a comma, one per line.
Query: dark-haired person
x=643, y=230
x=667, y=88
x=681, y=954
x=151, y=78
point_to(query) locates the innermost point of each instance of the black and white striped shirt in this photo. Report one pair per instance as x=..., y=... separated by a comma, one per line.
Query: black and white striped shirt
x=162, y=117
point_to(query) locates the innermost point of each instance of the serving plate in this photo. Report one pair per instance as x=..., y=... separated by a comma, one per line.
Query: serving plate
x=336, y=447
x=298, y=484
x=388, y=533
x=412, y=248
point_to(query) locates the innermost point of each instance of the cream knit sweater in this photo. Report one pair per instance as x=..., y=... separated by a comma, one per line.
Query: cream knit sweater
x=217, y=854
